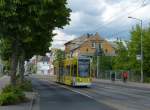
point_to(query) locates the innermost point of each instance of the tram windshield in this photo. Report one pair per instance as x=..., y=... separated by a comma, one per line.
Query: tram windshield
x=84, y=67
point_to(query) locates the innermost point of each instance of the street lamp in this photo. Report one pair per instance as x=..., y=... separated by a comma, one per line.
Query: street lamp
x=141, y=22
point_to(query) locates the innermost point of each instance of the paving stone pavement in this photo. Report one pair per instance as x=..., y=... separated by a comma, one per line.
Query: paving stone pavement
x=5, y=80
x=127, y=84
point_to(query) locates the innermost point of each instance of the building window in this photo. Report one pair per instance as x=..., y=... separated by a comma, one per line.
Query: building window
x=87, y=49
x=93, y=44
x=106, y=50
x=100, y=46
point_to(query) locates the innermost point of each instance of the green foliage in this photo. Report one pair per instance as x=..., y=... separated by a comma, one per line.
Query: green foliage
x=126, y=57
x=105, y=63
x=11, y=95
x=5, y=49
x=135, y=48
x=8, y=88
x=27, y=27
x=30, y=23
x=25, y=86
x=147, y=80
x=59, y=55
x=8, y=98
x=93, y=66
x=121, y=61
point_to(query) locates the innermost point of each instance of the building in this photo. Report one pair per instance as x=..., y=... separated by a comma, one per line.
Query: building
x=42, y=64
x=89, y=45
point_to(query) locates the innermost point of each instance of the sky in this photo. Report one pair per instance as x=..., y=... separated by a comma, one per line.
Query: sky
x=107, y=17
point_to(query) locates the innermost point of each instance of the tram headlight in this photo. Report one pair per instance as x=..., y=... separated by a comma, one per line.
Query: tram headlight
x=80, y=80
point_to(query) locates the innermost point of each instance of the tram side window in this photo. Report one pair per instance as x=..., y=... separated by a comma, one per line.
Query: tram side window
x=61, y=70
x=68, y=70
x=65, y=71
x=74, y=70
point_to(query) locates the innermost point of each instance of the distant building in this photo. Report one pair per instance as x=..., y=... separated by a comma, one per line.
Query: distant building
x=89, y=45
x=43, y=64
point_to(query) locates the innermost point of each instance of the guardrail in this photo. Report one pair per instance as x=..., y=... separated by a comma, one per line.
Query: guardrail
x=45, y=77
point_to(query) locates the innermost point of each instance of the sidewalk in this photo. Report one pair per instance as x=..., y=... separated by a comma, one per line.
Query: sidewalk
x=120, y=83
x=22, y=106
x=5, y=80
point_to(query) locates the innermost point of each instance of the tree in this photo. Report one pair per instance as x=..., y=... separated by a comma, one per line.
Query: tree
x=30, y=22
x=59, y=55
x=105, y=63
x=135, y=49
x=121, y=61
x=146, y=53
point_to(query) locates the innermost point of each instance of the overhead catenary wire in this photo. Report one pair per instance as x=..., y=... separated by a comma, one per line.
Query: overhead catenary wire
x=120, y=32
x=117, y=15
x=113, y=21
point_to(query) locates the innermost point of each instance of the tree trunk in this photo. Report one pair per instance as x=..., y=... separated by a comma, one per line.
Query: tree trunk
x=14, y=62
x=21, y=68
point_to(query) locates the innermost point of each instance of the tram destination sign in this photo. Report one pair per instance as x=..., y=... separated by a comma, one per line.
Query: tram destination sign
x=84, y=67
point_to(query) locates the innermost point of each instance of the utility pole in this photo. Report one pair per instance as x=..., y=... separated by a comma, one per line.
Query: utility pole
x=141, y=53
x=98, y=52
x=97, y=66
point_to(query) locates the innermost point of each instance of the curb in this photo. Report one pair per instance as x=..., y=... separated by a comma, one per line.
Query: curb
x=128, y=84
x=33, y=100
x=1, y=77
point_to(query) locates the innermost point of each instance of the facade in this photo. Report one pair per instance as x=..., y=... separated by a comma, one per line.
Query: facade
x=43, y=64
x=89, y=45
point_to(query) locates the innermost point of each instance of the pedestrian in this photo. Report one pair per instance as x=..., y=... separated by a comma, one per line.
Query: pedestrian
x=125, y=76
x=113, y=76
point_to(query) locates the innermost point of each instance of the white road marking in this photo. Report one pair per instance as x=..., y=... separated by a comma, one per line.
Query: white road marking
x=109, y=102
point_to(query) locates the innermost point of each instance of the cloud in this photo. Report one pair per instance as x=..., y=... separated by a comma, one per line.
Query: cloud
x=60, y=39
x=107, y=17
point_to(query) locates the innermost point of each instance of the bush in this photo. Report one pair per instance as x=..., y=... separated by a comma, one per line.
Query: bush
x=147, y=80
x=7, y=88
x=26, y=86
x=8, y=98
x=14, y=94
x=11, y=95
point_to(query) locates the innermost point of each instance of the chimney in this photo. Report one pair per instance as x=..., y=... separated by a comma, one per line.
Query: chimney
x=96, y=34
x=88, y=35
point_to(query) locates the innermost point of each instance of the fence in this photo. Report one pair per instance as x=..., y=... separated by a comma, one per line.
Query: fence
x=132, y=76
x=45, y=77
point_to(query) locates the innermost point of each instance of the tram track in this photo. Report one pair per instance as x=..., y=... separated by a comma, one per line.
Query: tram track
x=117, y=97
x=61, y=97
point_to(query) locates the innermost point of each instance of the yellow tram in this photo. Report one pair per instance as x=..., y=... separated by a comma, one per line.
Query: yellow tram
x=73, y=71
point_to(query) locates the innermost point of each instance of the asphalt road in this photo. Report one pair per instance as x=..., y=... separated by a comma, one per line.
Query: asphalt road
x=119, y=97
x=53, y=96
x=100, y=96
